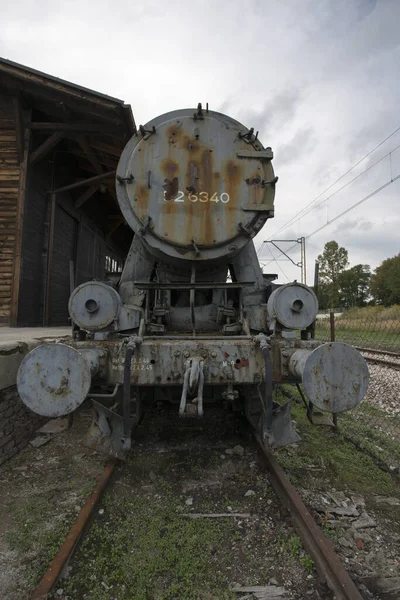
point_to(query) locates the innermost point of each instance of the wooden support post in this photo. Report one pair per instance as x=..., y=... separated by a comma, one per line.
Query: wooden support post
x=19, y=128
x=18, y=229
x=44, y=148
x=46, y=319
x=332, y=324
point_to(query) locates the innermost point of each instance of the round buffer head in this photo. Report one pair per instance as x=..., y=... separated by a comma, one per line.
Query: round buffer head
x=335, y=377
x=53, y=380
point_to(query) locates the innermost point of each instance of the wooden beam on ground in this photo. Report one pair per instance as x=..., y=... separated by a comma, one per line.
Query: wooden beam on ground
x=44, y=148
x=18, y=228
x=88, y=181
x=85, y=196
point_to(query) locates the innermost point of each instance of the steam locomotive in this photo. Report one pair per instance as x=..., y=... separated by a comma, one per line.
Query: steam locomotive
x=192, y=318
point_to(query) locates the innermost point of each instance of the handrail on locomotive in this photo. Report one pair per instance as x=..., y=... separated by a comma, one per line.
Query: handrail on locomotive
x=192, y=318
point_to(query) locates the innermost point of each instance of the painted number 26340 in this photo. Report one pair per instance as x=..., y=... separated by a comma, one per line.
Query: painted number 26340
x=200, y=197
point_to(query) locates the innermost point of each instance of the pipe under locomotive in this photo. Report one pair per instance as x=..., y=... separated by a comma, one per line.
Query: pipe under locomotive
x=192, y=318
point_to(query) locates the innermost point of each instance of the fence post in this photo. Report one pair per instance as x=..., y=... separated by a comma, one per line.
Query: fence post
x=316, y=281
x=332, y=321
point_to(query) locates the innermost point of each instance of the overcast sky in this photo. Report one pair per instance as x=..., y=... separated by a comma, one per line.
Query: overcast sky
x=320, y=80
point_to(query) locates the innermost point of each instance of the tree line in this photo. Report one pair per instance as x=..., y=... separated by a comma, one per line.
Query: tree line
x=340, y=286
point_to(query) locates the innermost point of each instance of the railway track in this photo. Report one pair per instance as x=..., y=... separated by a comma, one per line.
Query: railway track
x=381, y=357
x=263, y=506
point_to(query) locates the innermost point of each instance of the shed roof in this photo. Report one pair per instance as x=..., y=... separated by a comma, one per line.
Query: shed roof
x=36, y=81
x=91, y=127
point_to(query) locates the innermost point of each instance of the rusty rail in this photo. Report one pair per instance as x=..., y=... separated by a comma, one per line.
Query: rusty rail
x=381, y=361
x=50, y=578
x=373, y=351
x=327, y=563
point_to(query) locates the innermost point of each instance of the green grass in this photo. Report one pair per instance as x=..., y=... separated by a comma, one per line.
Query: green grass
x=365, y=334
x=36, y=539
x=343, y=465
x=370, y=326
x=375, y=313
x=145, y=549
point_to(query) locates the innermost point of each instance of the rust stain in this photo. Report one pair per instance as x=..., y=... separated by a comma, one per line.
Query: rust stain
x=171, y=187
x=142, y=194
x=207, y=216
x=169, y=167
x=244, y=362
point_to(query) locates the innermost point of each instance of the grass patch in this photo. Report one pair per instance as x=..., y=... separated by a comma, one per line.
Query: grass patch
x=365, y=333
x=371, y=326
x=143, y=548
x=342, y=463
x=35, y=539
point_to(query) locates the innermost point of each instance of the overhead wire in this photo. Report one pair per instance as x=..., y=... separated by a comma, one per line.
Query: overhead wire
x=331, y=185
x=277, y=264
x=347, y=210
x=348, y=183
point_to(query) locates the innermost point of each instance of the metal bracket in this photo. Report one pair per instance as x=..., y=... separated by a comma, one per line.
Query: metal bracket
x=247, y=231
x=146, y=133
x=146, y=224
x=266, y=154
x=196, y=249
x=199, y=115
x=271, y=182
x=128, y=179
x=249, y=137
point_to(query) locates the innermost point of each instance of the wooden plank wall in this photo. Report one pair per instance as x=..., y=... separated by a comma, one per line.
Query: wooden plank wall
x=9, y=182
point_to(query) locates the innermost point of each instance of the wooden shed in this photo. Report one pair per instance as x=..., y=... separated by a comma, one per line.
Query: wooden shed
x=60, y=222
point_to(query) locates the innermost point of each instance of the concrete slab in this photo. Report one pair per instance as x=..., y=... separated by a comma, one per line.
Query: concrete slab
x=24, y=334
x=16, y=342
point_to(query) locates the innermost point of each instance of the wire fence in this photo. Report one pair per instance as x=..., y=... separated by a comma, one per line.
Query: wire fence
x=374, y=425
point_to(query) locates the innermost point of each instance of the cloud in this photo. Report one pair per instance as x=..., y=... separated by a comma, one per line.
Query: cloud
x=320, y=84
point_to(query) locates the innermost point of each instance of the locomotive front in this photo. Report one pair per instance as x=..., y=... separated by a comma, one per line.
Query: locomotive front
x=192, y=318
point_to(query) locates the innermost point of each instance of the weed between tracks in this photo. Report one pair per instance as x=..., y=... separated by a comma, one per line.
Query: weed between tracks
x=143, y=544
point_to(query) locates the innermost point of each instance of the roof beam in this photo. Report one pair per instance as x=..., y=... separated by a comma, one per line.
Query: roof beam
x=77, y=127
x=94, y=161
x=115, y=226
x=45, y=147
x=78, y=184
x=90, y=154
x=104, y=147
x=85, y=196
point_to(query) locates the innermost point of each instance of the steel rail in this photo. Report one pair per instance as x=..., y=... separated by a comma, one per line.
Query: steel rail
x=52, y=575
x=372, y=351
x=327, y=562
x=381, y=361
